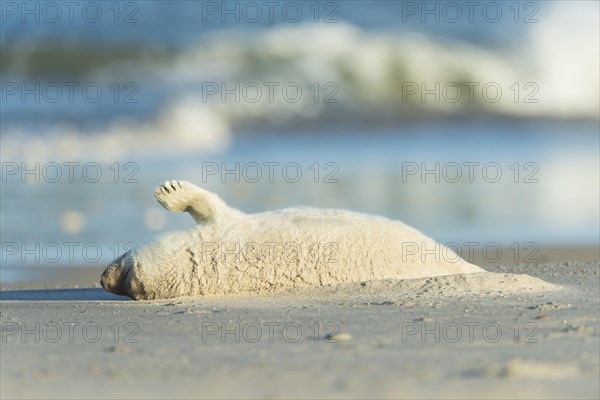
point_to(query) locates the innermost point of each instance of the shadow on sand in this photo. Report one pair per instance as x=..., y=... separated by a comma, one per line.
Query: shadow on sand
x=87, y=294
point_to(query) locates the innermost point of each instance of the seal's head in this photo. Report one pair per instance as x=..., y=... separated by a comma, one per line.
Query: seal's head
x=116, y=278
x=145, y=272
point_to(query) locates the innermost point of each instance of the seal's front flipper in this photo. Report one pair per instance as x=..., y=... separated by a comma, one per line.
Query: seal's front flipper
x=182, y=196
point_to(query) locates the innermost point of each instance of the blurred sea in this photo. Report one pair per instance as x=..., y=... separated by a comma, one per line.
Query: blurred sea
x=361, y=122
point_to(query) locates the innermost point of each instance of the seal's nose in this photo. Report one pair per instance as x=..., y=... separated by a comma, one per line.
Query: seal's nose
x=114, y=277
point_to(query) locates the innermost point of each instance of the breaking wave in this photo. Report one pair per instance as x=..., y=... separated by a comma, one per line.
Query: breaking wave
x=319, y=76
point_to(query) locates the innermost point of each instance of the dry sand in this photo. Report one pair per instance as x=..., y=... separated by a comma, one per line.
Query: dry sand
x=496, y=335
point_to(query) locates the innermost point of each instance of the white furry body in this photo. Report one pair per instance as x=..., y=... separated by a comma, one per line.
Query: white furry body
x=232, y=252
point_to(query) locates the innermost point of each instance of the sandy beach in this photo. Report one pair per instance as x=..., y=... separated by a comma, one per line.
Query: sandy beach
x=520, y=332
